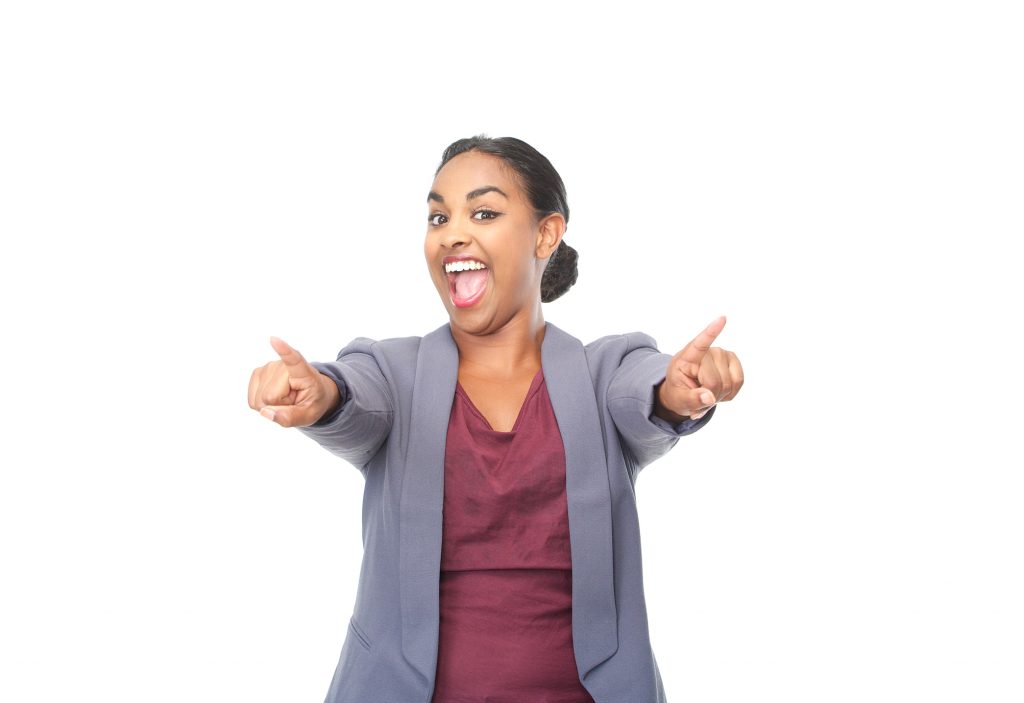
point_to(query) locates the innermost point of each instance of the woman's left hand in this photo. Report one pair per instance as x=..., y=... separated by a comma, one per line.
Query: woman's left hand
x=700, y=376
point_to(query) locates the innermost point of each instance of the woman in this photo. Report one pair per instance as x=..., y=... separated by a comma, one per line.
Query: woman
x=501, y=540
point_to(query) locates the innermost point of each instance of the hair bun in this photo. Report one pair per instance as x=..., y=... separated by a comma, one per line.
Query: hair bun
x=560, y=274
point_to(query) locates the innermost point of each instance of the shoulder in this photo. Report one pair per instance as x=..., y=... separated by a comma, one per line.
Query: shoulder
x=608, y=356
x=610, y=346
x=388, y=346
x=614, y=347
x=395, y=348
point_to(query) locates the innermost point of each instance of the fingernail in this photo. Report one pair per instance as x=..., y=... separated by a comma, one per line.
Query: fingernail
x=707, y=397
x=267, y=413
x=698, y=415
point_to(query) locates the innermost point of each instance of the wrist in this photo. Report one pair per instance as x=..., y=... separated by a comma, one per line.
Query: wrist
x=331, y=392
x=663, y=412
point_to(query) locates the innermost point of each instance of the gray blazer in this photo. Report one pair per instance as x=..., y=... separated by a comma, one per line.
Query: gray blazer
x=397, y=395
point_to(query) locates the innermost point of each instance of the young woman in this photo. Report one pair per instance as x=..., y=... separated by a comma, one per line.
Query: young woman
x=501, y=539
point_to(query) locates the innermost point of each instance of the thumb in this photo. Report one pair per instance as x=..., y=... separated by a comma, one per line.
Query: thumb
x=701, y=400
x=281, y=414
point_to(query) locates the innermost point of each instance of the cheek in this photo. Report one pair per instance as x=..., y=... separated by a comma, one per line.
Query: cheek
x=515, y=276
x=516, y=249
x=430, y=256
x=430, y=252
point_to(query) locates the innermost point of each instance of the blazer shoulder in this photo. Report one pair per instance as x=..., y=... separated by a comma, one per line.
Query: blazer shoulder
x=612, y=348
x=402, y=349
x=391, y=348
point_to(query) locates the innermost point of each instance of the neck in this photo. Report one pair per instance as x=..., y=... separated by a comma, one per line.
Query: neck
x=511, y=350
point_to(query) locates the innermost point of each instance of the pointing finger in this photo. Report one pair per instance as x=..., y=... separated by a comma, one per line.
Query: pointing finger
x=699, y=346
x=297, y=365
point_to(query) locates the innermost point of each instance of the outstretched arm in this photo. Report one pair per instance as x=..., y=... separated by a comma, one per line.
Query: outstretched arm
x=632, y=400
x=361, y=421
x=655, y=398
x=346, y=405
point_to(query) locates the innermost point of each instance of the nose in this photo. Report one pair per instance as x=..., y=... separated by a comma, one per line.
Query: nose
x=454, y=235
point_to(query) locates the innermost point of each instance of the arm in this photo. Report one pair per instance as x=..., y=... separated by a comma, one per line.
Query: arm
x=633, y=402
x=360, y=422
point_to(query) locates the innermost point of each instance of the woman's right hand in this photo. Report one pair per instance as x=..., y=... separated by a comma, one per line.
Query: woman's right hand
x=290, y=391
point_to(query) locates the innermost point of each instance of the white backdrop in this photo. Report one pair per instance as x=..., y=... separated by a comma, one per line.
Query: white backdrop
x=842, y=180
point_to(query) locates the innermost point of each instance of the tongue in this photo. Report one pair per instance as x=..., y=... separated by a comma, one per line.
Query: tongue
x=469, y=283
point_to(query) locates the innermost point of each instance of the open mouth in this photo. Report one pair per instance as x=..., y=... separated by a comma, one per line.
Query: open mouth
x=467, y=287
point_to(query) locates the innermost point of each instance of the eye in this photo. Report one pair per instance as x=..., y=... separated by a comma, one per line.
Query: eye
x=430, y=219
x=492, y=214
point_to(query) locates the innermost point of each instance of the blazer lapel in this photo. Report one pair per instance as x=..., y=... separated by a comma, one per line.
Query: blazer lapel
x=419, y=549
x=594, y=615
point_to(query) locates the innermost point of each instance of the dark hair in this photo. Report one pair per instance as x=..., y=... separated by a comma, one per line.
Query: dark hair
x=545, y=191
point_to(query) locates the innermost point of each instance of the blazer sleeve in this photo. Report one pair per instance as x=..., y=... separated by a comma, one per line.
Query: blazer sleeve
x=358, y=426
x=631, y=402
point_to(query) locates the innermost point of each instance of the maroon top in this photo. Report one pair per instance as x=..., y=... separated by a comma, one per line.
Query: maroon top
x=506, y=569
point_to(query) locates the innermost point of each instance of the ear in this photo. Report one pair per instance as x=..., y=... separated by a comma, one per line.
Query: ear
x=549, y=234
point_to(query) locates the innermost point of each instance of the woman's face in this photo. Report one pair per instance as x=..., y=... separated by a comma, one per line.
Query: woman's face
x=477, y=211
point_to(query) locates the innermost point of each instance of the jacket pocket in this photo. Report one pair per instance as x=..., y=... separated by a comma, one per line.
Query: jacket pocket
x=356, y=629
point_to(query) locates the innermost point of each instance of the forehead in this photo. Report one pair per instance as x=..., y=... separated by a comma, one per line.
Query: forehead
x=472, y=169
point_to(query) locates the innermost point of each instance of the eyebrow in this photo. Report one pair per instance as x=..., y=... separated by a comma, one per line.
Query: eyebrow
x=470, y=195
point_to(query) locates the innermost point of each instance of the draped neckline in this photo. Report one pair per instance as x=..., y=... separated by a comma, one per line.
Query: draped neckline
x=534, y=385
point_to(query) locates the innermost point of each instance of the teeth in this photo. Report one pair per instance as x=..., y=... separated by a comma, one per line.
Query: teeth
x=463, y=266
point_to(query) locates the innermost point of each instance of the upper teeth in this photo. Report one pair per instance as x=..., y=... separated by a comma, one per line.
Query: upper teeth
x=463, y=266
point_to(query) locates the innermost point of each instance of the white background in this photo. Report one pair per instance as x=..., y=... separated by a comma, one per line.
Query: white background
x=179, y=181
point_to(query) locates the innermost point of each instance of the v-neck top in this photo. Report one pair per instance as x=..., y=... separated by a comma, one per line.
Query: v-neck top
x=534, y=387
x=506, y=568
